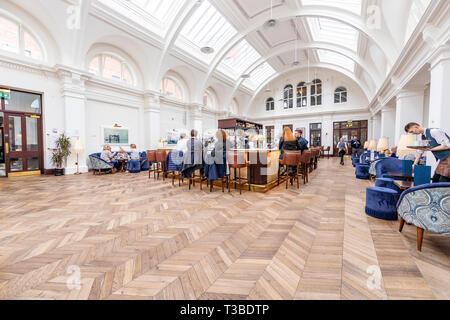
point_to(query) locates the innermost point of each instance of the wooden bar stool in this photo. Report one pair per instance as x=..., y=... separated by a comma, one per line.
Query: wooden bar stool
x=327, y=150
x=151, y=157
x=292, y=159
x=280, y=167
x=303, y=166
x=307, y=163
x=161, y=163
x=237, y=161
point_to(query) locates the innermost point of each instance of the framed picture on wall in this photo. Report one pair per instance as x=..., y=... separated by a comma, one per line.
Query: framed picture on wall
x=115, y=136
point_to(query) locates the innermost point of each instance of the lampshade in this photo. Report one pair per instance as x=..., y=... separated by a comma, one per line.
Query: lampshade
x=405, y=141
x=366, y=145
x=78, y=146
x=373, y=145
x=382, y=145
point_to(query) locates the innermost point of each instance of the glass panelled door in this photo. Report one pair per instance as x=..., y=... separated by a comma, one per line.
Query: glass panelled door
x=22, y=143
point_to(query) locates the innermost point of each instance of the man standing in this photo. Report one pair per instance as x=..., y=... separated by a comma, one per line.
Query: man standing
x=439, y=146
x=301, y=141
x=342, y=146
x=356, y=146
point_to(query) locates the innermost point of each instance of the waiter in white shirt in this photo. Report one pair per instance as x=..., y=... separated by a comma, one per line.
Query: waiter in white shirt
x=182, y=143
x=439, y=146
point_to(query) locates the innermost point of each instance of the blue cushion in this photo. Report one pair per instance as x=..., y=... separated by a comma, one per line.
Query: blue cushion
x=386, y=183
x=362, y=171
x=381, y=203
x=355, y=161
x=388, y=165
x=134, y=166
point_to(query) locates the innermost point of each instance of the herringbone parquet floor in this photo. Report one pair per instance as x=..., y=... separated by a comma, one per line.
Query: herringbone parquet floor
x=127, y=237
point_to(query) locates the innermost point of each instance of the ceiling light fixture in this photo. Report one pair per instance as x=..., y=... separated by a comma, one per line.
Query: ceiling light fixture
x=245, y=76
x=296, y=62
x=271, y=23
x=207, y=50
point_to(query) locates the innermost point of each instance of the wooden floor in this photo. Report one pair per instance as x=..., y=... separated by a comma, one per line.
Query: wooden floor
x=134, y=238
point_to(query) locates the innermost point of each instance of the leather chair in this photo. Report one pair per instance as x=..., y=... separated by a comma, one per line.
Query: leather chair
x=151, y=158
x=292, y=159
x=328, y=150
x=236, y=162
x=303, y=166
x=161, y=164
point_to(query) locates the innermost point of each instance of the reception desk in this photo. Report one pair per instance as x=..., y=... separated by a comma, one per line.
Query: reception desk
x=263, y=170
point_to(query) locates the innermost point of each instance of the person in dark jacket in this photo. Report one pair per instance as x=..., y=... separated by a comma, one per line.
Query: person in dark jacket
x=288, y=143
x=301, y=141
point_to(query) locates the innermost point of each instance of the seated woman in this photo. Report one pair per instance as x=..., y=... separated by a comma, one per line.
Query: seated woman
x=193, y=157
x=216, y=161
x=288, y=143
x=122, y=157
x=109, y=157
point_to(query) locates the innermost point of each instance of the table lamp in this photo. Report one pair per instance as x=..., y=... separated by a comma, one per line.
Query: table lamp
x=372, y=145
x=366, y=145
x=382, y=145
x=405, y=141
x=78, y=148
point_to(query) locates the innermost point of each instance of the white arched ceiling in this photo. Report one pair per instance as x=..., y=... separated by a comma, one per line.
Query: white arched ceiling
x=345, y=72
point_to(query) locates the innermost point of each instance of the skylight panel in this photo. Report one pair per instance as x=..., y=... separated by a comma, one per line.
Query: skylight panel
x=259, y=75
x=336, y=59
x=354, y=6
x=327, y=30
x=157, y=8
x=208, y=27
x=239, y=59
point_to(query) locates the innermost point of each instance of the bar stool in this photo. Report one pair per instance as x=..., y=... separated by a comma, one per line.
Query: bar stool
x=303, y=166
x=328, y=150
x=292, y=159
x=200, y=176
x=316, y=158
x=237, y=161
x=151, y=157
x=161, y=163
x=282, y=164
x=311, y=160
x=306, y=163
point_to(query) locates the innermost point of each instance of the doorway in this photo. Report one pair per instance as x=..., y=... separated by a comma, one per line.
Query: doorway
x=22, y=138
x=315, y=134
x=348, y=130
x=2, y=149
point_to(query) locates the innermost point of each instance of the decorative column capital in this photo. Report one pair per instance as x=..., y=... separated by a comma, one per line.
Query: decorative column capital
x=441, y=54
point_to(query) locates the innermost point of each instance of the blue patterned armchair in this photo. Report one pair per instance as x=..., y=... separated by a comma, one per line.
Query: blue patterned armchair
x=98, y=165
x=427, y=207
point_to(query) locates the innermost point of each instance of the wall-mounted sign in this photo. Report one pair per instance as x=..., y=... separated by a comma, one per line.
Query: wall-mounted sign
x=5, y=93
x=349, y=124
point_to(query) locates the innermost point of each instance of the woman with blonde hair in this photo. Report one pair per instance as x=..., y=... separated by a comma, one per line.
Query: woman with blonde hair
x=288, y=143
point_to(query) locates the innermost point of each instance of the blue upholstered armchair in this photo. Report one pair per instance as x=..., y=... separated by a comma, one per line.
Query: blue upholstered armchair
x=99, y=164
x=427, y=207
x=382, y=168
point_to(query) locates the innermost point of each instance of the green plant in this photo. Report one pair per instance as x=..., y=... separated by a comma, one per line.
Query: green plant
x=63, y=145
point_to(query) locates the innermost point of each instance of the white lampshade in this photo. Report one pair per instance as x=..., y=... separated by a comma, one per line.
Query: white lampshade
x=373, y=145
x=366, y=145
x=382, y=145
x=78, y=146
x=406, y=140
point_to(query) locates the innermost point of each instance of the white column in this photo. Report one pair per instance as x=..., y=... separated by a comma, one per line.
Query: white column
x=376, y=127
x=388, y=125
x=439, y=110
x=409, y=109
x=152, y=120
x=196, y=118
x=74, y=99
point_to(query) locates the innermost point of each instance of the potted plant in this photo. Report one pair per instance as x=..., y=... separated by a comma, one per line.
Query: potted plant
x=61, y=153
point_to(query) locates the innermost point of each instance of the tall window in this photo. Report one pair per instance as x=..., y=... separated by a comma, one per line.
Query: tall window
x=302, y=92
x=288, y=97
x=15, y=38
x=209, y=101
x=270, y=104
x=340, y=95
x=316, y=93
x=171, y=89
x=112, y=68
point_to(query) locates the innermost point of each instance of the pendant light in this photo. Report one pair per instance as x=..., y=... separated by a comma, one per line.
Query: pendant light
x=271, y=23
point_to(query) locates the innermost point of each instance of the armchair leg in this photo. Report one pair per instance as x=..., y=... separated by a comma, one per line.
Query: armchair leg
x=402, y=224
x=420, y=232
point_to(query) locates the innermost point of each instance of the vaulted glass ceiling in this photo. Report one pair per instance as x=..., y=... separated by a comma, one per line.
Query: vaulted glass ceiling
x=157, y=8
x=336, y=59
x=354, y=6
x=208, y=27
x=327, y=30
x=240, y=58
x=259, y=75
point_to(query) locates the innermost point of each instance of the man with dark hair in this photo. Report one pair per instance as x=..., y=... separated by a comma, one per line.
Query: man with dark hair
x=301, y=141
x=356, y=146
x=439, y=146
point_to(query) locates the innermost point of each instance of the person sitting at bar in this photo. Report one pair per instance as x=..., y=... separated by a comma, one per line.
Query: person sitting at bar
x=301, y=141
x=109, y=157
x=439, y=146
x=288, y=143
x=182, y=143
x=216, y=161
x=193, y=157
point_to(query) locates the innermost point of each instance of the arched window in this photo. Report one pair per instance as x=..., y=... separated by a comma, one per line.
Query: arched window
x=288, y=97
x=14, y=37
x=170, y=88
x=270, y=104
x=340, y=95
x=316, y=93
x=302, y=95
x=210, y=100
x=112, y=68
